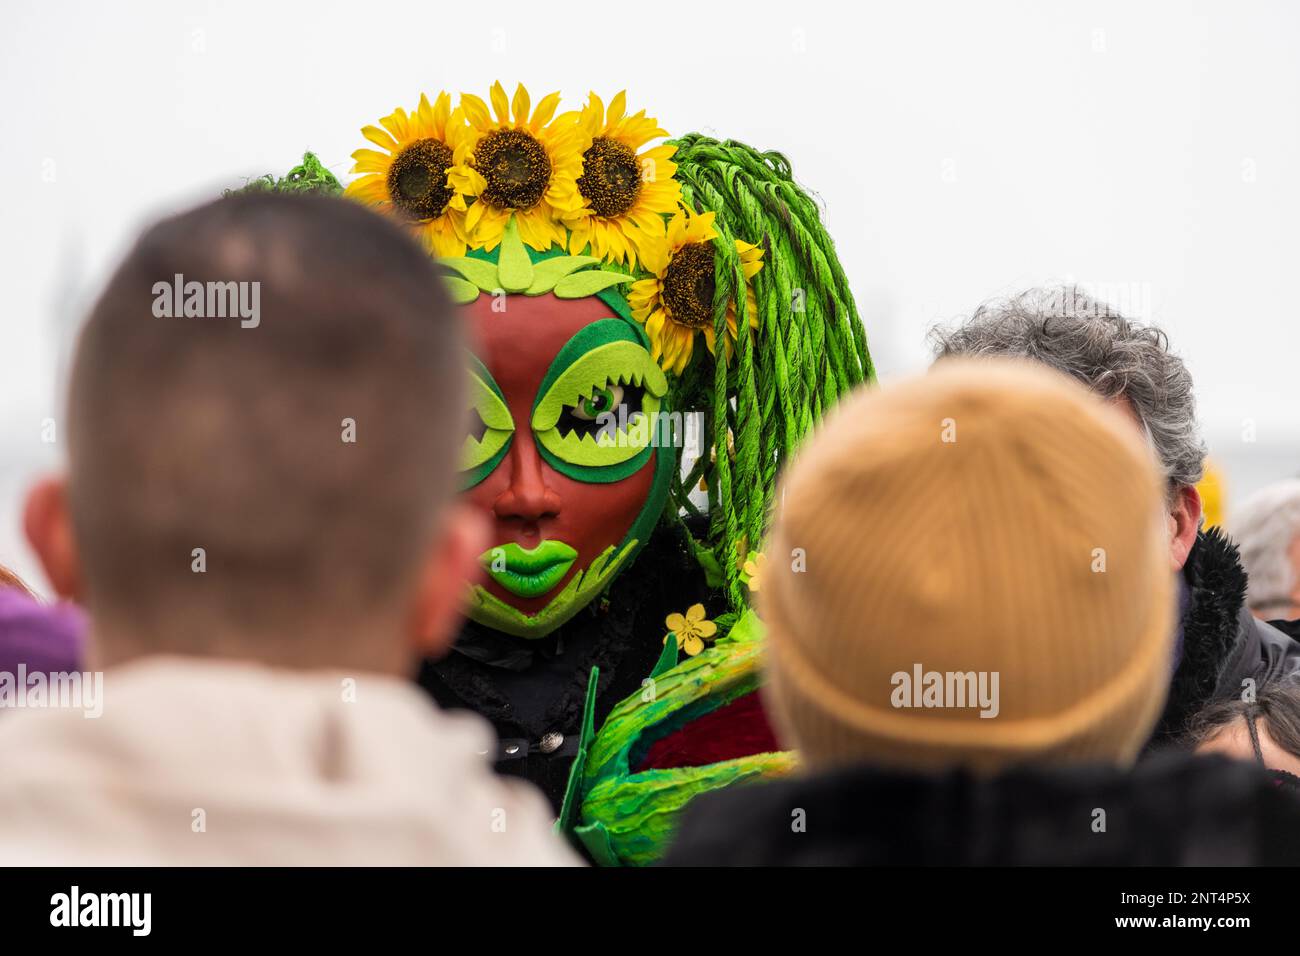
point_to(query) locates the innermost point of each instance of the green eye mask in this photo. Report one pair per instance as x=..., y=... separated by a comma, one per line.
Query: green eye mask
x=479, y=456
x=605, y=354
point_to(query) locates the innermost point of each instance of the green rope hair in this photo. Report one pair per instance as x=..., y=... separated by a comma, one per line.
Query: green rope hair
x=309, y=177
x=809, y=350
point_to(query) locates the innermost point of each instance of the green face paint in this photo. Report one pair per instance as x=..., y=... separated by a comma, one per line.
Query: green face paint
x=527, y=573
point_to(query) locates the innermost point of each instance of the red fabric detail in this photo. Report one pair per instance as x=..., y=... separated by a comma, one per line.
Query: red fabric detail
x=739, y=729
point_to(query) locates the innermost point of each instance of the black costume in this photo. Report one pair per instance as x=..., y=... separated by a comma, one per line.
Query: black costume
x=533, y=691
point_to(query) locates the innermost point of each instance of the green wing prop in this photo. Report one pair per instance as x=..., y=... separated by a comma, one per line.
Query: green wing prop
x=625, y=817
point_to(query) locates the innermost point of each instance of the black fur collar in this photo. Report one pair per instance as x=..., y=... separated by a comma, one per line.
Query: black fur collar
x=1216, y=591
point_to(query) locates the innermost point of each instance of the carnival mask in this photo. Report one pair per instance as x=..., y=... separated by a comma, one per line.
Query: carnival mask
x=564, y=451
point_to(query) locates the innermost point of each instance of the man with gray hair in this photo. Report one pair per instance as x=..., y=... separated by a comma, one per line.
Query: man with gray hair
x=1268, y=528
x=1221, y=650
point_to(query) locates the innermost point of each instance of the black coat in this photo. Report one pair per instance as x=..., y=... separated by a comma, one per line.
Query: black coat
x=1173, y=810
x=1223, y=644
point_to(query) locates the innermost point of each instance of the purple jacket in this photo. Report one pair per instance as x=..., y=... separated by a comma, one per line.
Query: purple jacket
x=44, y=637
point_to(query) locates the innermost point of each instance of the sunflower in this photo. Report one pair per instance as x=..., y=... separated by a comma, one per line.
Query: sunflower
x=410, y=177
x=526, y=167
x=677, y=301
x=625, y=194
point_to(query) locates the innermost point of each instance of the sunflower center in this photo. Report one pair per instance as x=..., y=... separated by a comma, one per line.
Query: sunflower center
x=611, y=177
x=515, y=166
x=688, y=286
x=417, y=179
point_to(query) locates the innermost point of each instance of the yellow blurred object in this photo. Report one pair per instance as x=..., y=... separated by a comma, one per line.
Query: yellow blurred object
x=1211, y=487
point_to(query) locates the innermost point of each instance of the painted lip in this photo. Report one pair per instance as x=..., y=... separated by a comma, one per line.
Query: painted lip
x=526, y=573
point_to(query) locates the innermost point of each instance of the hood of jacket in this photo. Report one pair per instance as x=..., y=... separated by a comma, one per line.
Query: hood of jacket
x=1221, y=643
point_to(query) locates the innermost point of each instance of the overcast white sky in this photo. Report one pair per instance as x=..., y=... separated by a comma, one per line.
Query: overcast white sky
x=962, y=150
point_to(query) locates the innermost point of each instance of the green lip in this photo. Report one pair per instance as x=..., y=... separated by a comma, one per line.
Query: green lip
x=526, y=573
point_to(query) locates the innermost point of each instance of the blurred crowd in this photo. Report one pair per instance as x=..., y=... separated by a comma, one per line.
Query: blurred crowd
x=1022, y=521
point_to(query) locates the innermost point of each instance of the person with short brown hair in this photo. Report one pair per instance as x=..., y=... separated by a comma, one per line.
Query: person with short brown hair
x=259, y=517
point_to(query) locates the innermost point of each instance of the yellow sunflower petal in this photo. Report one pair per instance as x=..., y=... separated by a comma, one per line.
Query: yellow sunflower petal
x=371, y=161
x=442, y=112
x=520, y=105
x=667, y=345
x=500, y=104
x=655, y=324
x=428, y=126
x=379, y=138
x=636, y=131
x=491, y=225
x=544, y=112
x=398, y=124
x=644, y=292
x=654, y=254
x=676, y=230
x=679, y=345
x=617, y=106
x=593, y=114
x=371, y=189
x=476, y=111
x=536, y=228
x=474, y=215
x=441, y=239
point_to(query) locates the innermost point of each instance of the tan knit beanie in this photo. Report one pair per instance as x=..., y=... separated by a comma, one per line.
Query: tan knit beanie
x=969, y=569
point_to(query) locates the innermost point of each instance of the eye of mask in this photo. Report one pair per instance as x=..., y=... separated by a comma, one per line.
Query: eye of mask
x=597, y=407
x=603, y=411
x=491, y=430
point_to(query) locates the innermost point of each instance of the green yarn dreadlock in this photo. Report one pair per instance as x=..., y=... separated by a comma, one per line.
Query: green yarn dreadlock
x=809, y=350
x=310, y=176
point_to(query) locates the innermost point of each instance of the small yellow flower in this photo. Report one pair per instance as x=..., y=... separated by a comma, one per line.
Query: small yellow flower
x=690, y=629
x=754, y=570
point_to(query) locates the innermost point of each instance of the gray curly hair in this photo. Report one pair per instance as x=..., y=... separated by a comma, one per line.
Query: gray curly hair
x=1266, y=527
x=1067, y=329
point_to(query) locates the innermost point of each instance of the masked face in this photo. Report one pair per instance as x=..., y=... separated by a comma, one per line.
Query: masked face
x=559, y=455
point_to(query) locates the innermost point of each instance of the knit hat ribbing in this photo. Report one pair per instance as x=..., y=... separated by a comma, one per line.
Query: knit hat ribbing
x=990, y=517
